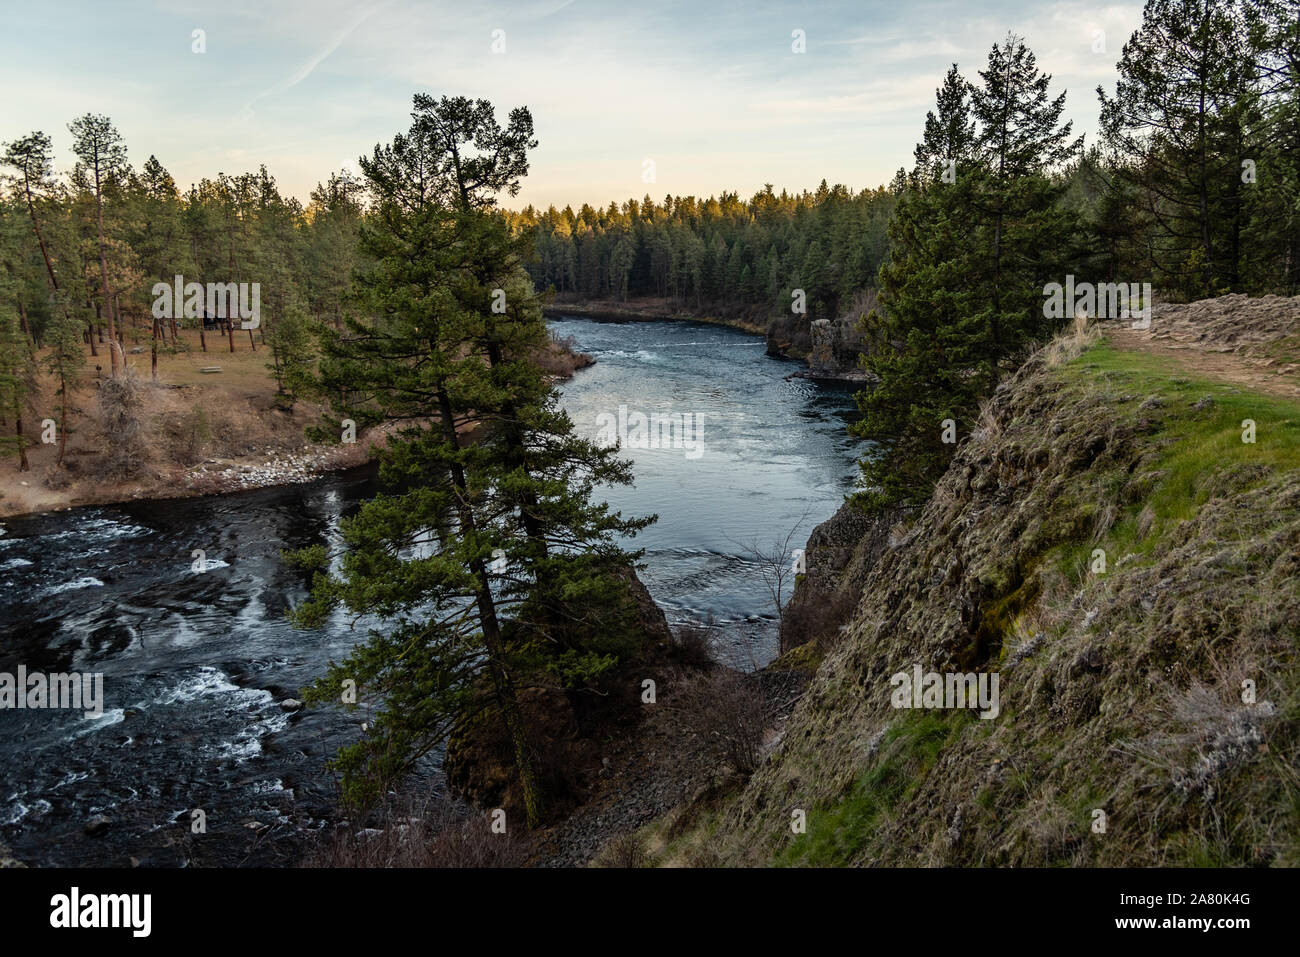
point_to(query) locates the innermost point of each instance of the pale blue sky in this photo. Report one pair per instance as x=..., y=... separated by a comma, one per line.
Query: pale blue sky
x=710, y=91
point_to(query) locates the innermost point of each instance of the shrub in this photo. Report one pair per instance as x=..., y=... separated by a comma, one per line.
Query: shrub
x=429, y=832
x=121, y=400
x=728, y=711
x=691, y=646
x=191, y=437
x=624, y=851
x=816, y=620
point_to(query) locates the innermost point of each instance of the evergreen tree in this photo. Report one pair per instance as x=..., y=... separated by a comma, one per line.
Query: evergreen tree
x=485, y=558
x=101, y=157
x=978, y=230
x=1185, y=110
x=64, y=359
x=1272, y=234
x=1021, y=142
x=32, y=157
x=17, y=377
x=923, y=357
x=158, y=239
x=949, y=136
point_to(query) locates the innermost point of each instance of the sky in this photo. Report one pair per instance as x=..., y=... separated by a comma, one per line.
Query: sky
x=701, y=96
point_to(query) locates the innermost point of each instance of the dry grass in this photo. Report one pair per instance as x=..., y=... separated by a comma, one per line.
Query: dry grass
x=136, y=437
x=988, y=428
x=626, y=851
x=420, y=832
x=1071, y=343
x=727, y=710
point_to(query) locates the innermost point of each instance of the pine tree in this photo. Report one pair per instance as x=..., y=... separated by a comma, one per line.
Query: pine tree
x=32, y=157
x=1272, y=235
x=949, y=136
x=17, y=376
x=1183, y=119
x=64, y=359
x=333, y=218
x=1020, y=143
x=158, y=239
x=484, y=558
x=101, y=157
x=290, y=340
x=977, y=231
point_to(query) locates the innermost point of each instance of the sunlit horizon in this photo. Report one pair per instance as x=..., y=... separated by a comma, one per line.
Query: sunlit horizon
x=715, y=97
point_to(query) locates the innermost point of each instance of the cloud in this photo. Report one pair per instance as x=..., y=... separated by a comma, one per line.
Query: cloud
x=315, y=60
x=712, y=92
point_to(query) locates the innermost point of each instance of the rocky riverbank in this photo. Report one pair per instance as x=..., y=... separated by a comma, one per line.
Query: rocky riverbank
x=52, y=491
x=826, y=348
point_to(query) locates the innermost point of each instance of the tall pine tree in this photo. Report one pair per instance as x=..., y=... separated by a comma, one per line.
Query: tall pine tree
x=978, y=230
x=486, y=560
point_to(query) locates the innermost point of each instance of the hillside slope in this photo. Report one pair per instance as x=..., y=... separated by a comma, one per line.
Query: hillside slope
x=1107, y=544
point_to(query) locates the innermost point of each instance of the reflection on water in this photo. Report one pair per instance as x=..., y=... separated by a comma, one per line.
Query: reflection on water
x=774, y=455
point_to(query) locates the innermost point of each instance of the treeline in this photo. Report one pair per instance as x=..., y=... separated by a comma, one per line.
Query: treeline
x=1194, y=188
x=723, y=255
x=94, y=243
x=80, y=255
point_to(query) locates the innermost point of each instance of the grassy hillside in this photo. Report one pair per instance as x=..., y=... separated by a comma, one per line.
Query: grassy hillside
x=1121, y=689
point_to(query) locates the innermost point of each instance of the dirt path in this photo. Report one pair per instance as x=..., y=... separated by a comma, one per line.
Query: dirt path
x=1249, y=341
x=1252, y=373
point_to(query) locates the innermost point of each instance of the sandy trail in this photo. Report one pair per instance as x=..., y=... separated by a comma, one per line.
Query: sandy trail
x=1223, y=366
x=1251, y=342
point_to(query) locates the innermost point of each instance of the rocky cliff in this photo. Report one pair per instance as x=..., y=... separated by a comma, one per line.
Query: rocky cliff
x=1115, y=554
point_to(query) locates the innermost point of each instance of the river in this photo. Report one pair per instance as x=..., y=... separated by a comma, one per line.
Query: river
x=195, y=662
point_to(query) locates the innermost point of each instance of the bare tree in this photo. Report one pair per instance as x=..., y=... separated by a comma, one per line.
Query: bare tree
x=777, y=562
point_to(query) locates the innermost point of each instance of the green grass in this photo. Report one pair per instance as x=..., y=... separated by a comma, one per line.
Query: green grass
x=1198, y=448
x=908, y=751
x=1185, y=457
x=1286, y=349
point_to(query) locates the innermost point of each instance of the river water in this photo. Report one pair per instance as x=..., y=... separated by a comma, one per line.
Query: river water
x=195, y=662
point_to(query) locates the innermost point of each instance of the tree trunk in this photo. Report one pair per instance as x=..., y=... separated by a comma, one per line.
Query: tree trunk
x=502, y=684
x=1203, y=187
x=22, y=321
x=63, y=419
x=31, y=210
x=515, y=457
x=23, y=464
x=103, y=272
